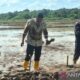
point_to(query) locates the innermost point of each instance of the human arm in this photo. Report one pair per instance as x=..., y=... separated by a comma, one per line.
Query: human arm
x=45, y=32
x=25, y=33
x=46, y=37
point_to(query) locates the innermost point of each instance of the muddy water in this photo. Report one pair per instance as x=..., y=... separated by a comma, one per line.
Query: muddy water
x=10, y=39
x=55, y=53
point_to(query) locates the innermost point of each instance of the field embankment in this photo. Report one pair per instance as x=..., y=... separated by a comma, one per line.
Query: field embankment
x=51, y=24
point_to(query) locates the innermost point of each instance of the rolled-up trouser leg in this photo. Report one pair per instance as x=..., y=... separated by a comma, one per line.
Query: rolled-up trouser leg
x=77, y=52
x=37, y=53
x=37, y=57
x=29, y=52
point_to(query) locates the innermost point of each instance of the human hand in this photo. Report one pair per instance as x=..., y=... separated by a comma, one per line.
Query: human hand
x=22, y=43
x=49, y=41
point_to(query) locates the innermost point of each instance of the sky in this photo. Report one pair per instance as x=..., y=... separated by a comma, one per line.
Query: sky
x=19, y=5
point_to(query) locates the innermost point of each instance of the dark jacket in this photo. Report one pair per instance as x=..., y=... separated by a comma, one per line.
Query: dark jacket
x=77, y=32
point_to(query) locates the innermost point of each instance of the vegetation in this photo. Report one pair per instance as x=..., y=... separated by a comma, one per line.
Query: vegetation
x=49, y=14
x=60, y=17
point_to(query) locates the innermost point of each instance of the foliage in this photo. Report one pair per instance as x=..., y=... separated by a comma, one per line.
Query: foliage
x=48, y=14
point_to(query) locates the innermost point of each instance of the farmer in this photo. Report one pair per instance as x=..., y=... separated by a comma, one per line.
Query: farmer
x=34, y=29
x=77, y=43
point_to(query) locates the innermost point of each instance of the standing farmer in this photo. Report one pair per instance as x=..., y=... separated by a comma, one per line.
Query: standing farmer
x=34, y=29
x=77, y=43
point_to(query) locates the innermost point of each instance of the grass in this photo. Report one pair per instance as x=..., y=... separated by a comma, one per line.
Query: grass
x=50, y=23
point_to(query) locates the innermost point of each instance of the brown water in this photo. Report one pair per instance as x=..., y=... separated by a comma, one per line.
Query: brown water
x=55, y=53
